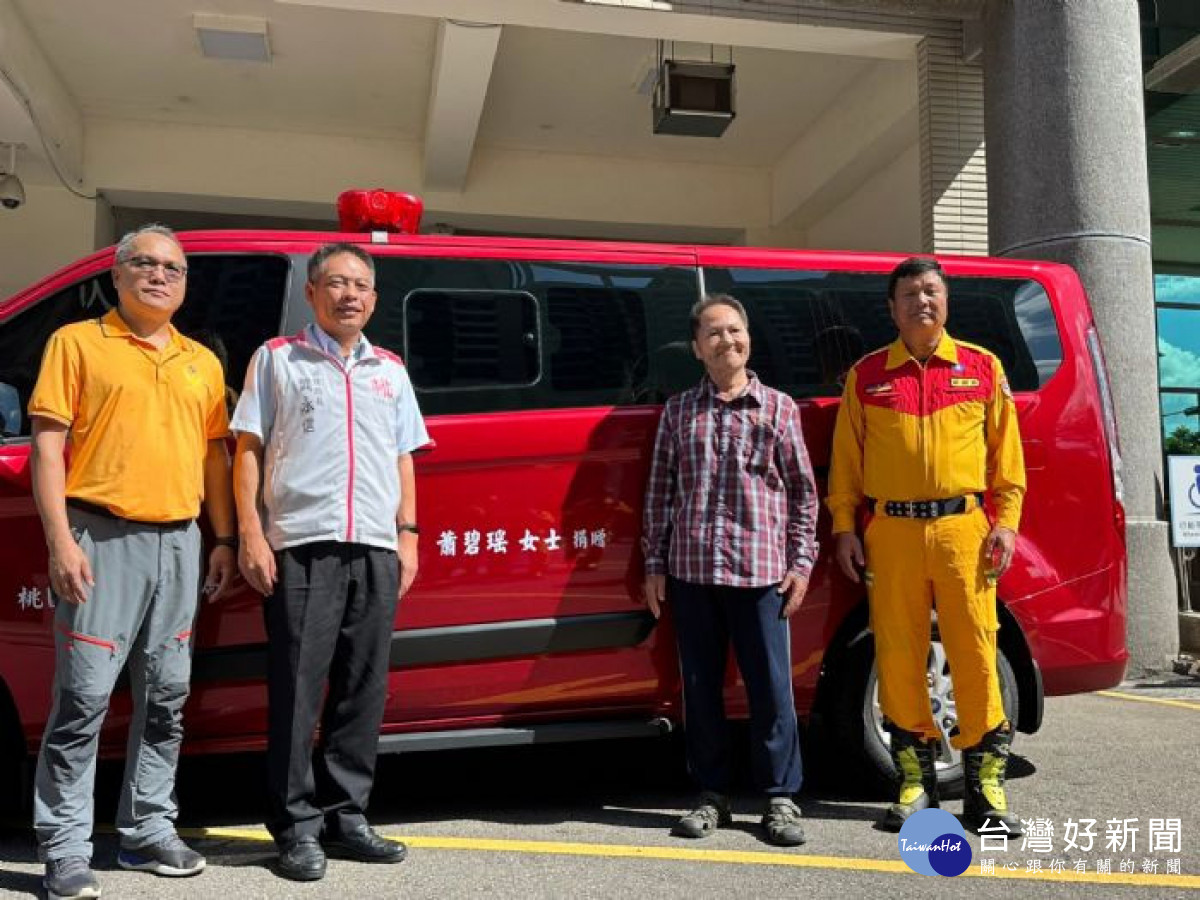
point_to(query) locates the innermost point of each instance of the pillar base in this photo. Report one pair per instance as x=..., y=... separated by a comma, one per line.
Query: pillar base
x=1153, y=632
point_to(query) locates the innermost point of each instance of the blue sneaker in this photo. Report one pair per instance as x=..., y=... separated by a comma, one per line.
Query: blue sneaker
x=70, y=878
x=170, y=856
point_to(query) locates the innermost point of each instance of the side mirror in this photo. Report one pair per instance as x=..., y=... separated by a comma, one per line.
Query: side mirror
x=10, y=411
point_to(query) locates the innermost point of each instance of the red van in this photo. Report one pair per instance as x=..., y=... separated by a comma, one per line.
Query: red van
x=541, y=367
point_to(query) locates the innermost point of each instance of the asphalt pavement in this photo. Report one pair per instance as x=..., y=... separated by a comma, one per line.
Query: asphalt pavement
x=593, y=821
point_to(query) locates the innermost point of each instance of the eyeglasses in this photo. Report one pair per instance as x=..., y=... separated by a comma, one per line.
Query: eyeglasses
x=145, y=265
x=340, y=283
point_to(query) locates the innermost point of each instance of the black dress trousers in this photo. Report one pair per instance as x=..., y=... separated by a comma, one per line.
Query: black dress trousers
x=329, y=622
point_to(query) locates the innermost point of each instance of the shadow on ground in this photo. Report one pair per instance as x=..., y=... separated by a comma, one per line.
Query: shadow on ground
x=640, y=783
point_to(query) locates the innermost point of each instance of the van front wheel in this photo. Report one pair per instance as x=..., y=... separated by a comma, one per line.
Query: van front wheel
x=857, y=721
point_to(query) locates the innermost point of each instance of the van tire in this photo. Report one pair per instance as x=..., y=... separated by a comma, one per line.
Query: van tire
x=16, y=768
x=855, y=722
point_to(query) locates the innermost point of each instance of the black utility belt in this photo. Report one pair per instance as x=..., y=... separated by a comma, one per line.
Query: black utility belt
x=925, y=509
x=97, y=510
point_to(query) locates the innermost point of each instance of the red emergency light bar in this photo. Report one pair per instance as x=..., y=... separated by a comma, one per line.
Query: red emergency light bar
x=379, y=210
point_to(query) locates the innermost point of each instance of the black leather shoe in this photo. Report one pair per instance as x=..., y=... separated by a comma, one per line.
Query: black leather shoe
x=364, y=845
x=302, y=860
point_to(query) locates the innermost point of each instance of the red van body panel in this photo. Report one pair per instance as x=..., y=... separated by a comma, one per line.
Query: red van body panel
x=560, y=491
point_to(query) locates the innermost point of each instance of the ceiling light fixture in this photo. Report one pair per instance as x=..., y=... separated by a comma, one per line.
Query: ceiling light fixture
x=240, y=38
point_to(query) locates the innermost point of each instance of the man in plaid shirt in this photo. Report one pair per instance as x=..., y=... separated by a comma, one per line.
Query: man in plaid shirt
x=729, y=535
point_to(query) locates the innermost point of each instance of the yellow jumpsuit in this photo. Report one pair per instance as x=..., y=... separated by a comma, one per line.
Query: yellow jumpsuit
x=911, y=431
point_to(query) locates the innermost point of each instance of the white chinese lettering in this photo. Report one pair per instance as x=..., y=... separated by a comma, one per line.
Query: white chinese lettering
x=448, y=544
x=1076, y=833
x=1118, y=833
x=1165, y=835
x=993, y=837
x=31, y=598
x=1039, y=835
x=497, y=541
x=471, y=542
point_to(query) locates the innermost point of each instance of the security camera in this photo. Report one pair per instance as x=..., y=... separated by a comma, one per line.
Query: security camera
x=12, y=193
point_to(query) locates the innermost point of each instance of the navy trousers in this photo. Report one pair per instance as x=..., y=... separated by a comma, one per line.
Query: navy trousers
x=707, y=619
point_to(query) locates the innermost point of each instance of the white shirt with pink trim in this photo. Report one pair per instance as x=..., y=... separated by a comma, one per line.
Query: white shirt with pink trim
x=332, y=433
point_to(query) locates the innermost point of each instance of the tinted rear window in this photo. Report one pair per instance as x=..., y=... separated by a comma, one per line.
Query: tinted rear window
x=233, y=304
x=495, y=335
x=807, y=328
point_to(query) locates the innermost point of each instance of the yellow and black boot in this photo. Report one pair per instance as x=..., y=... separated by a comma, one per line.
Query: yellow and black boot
x=985, y=765
x=914, y=760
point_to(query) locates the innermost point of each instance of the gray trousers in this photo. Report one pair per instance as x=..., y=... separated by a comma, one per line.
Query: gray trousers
x=141, y=611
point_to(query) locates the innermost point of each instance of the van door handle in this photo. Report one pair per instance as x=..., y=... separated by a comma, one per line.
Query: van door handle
x=1035, y=454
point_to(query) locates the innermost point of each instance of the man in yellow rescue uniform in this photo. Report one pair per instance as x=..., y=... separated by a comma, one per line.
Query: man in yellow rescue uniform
x=926, y=427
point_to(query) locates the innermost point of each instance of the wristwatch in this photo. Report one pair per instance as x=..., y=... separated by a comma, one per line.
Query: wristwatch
x=230, y=541
x=408, y=526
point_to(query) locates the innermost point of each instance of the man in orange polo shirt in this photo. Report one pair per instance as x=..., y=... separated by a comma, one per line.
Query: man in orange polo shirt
x=143, y=411
x=927, y=426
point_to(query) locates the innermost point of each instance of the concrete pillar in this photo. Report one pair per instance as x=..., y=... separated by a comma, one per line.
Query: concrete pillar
x=1067, y=182
x=954, y=202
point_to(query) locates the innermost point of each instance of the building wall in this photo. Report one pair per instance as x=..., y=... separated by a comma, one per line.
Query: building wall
x=299, y=175
x=884, y=214
x=53, y=228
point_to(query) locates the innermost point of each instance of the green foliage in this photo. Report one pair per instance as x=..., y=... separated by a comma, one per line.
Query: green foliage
x=1183, y=441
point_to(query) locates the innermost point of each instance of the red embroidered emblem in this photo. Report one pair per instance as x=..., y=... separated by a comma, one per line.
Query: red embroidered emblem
x=382, y=388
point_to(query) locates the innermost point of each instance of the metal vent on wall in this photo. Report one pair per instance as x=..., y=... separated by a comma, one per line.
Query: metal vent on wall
x=693, y=98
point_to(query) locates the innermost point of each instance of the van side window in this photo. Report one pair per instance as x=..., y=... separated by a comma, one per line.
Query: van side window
x=233, y=304
x=808, y=327
x=497, y=335
x=23, y=337
x=601, y=338
x=471, y=339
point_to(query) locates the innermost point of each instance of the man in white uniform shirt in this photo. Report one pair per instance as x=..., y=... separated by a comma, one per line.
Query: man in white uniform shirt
x=326, y=427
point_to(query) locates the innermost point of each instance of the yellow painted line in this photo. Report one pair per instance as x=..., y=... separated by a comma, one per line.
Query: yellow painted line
x=734, y=857
x=1162, y=701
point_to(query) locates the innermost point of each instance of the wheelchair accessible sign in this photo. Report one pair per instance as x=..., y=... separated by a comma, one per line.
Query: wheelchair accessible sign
x=1184, y=473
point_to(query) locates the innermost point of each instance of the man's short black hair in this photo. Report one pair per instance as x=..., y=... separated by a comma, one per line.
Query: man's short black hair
x=316, y=262
x=708, y=300
x=913, y=267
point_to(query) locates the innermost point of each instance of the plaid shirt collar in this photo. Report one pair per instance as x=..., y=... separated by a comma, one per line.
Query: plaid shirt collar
x=754, y=391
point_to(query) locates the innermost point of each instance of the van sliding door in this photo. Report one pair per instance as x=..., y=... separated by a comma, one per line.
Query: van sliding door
x=540, y=380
